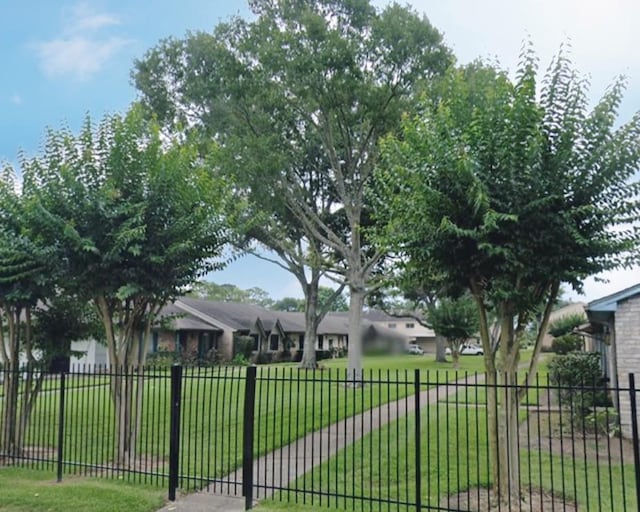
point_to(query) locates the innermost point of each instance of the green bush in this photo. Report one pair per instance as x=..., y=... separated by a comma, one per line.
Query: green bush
x=243, y=346
x=567, y=343
x=579, y=376
x=239, y=360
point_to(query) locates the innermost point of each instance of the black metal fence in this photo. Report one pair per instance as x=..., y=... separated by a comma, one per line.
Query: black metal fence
x=390, y=440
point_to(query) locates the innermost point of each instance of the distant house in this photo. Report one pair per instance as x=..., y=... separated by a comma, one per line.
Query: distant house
x=577, y=308
x=198, y=326
x=406, y=327
x=615, y=327
x=201, y=327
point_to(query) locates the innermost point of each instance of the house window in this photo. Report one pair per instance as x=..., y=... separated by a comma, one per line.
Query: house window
x=410, y=325
x=320, y=342
x=181, y=341
x=154, y=342
x=392, y=326
x=301, y=340
x=205, y=344
x=256, y=342
x=273, y=342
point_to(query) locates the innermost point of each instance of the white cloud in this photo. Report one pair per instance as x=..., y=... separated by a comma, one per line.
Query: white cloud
x=82, y=49
x=83, y=18
x=77, y=56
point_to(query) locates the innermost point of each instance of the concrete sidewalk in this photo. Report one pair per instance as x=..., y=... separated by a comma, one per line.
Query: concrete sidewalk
x=282, y=467
x=205, y=502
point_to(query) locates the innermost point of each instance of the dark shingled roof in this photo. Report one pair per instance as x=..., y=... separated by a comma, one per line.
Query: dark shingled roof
x=243, y=317
x=181, y=321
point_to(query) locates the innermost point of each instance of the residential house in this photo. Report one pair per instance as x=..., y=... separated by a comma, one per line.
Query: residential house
x=615, y=328
x=405, y=327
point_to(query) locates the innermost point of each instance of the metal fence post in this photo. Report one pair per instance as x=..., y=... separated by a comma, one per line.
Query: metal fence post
x=634, y=434
x=247, y=440
x=61, y=427
x=417, y=436
x=174, y=439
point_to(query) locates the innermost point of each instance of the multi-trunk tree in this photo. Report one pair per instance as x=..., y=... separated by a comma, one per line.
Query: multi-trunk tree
x=509, y=189
x=294, y=103
x=133, y=222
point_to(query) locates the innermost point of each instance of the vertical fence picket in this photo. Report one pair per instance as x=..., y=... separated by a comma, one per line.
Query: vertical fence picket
x=174, y=439
x=61, y=428
x=634, y=434
x=247, y=443
x=418, y=496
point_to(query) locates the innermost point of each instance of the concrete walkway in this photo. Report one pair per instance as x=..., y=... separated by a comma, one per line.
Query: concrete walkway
x=282, y=467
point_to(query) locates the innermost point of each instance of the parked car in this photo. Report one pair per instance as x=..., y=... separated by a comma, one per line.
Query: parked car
x=467, y=349
x=414, y=349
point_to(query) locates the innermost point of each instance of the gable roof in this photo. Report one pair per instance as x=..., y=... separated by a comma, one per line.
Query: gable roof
x=601, y=310
x=180, y=320
x=610, y=302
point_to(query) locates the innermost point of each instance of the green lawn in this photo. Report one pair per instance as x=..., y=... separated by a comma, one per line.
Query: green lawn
x=289, y=403
x=454, y=459
x=25, y=490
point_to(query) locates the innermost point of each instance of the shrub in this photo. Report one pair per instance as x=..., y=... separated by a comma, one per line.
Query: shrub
x=243, y=345
x=566, y=324
x=239, y=360
x=162, y=359
x=264, y=358
x=566, y=343
x=581, y=381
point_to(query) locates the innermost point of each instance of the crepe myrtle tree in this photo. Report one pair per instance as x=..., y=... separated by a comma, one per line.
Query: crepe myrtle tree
x=134, y=221
x=27, y=277
x=456, y=320
x=509, y=188
x=295, y=101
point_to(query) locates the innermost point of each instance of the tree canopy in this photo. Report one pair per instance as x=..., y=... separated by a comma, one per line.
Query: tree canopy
x=296, y=99
x=509, y=189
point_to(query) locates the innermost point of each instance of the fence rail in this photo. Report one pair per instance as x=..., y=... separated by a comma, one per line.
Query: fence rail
x=392, y=440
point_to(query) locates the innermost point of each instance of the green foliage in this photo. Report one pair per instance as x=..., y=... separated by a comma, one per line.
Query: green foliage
x=567, y=343
x=64, y=319
x=230, y=293
x=509, y=189
x=580, y=377
x=289, y=304
x=325, y=294
x=239, y=360
x=566, y=324
x=454, y=319
x=291, y=105
x=133, y=220
x=243, y=346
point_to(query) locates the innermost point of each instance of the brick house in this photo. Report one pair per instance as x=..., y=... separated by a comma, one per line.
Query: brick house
x=615, y=321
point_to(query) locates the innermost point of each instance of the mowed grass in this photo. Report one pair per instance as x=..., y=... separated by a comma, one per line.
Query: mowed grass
x=24, y=490
x=289, y=403
x=454, y=459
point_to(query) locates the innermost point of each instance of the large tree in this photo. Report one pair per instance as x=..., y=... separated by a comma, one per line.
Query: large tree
x=133, y=223
x=295, y=101
x=27, y=277
x=509, y=190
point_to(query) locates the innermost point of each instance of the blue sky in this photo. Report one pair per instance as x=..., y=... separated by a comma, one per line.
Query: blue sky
x=62, y=60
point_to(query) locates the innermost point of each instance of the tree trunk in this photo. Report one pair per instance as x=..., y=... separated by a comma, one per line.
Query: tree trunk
x=10, y=410
x=354, y=362
x=441, y=347
x=507, y=484
x=310, y=322
x=10, y=446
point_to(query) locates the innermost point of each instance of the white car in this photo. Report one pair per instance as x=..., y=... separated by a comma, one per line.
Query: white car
x=414, y=349
x=467, y=349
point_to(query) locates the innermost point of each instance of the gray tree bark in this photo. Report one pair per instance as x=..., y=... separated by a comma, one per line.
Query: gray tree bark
x=441, y=347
